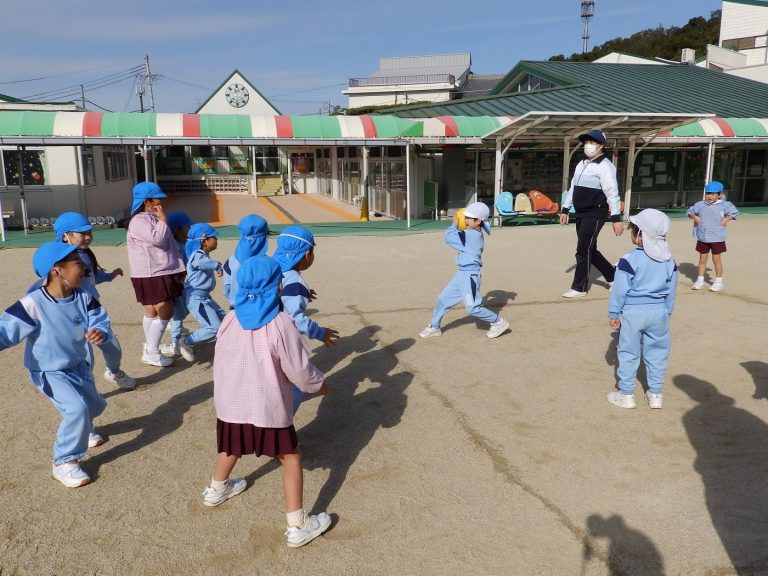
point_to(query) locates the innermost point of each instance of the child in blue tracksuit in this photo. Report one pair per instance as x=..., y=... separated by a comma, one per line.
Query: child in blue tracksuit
x=201, y=271
x=642, y=300
x=710, y=217
x=295, y=252
x=59, y=320
x=179, y=223
x=75, y=229
x=464, y=287
x=253, y=242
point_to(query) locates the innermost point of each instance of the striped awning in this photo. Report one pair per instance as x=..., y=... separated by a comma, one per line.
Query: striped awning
x=721, y=128
x=126, y=127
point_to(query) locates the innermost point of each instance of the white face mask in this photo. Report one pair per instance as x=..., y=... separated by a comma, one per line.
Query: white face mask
x=590, y=149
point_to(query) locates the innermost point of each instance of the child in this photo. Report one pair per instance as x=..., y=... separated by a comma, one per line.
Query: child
x=253, y=242
x=710, y=217
x=295, y=252
x=642, y=299
x=179, y=223
x=73, y=228
x=259, y=352
x=201, y=268
x=465, y=285
x=59, y=320
x=157, y=270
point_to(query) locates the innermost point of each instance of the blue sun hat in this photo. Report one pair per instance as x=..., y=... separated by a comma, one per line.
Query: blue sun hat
x=292, y=244
x=177, y=220
x=257, y=300
x=71, y=222
x=198, y=232
x=714, y=187
x=48, y=255
x=253, y=237
x=144, y=191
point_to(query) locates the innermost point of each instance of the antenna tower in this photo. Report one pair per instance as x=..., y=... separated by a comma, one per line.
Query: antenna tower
x=587, y=12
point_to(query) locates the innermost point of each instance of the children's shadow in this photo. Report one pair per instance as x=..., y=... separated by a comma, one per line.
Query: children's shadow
x=759, y=373
x=730, y=446
x=690, y=271
x=162, y=421
x=629, y=551
x=494, y=300
x=364, y=396
x=595, y=277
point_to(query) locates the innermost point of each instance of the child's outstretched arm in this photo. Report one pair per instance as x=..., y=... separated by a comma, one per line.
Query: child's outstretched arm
x=99, y=328
x=294, y=359
x=295, y=297
x=17, y=322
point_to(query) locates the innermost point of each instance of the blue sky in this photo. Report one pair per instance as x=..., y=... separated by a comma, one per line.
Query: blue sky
x=300, y=55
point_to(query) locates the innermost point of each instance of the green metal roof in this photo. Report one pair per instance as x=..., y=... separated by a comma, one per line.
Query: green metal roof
x=611, y=88
x=11, y=99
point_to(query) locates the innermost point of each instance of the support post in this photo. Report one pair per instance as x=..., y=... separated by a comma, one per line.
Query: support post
x=628, y=177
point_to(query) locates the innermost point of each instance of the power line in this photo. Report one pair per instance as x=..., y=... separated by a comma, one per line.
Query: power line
x=90, y=84
x=57, y=75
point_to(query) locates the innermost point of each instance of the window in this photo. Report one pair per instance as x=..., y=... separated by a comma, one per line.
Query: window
x=529, y=82
x=32, y=165
x=267, y=159
x=115, y=163
x=739, y=43
x=89, y=169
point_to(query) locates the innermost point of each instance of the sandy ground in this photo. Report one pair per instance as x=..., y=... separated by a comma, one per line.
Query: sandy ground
x=456, y=455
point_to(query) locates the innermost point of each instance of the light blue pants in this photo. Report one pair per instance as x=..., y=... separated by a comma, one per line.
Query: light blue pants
x=298, y=396
x=113, y=354
x=208, y=314
x=464, y=288
x=177, y=319
x=644, y=330
x=74, y=395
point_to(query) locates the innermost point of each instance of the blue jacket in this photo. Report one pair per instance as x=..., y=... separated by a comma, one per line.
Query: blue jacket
x=469, y=243
x=200, y=280
x=295, y=297
x=55, y=329
x=711, y=215
x=641, y=280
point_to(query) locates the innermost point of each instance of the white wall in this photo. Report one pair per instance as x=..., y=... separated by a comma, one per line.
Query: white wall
x=742, y=20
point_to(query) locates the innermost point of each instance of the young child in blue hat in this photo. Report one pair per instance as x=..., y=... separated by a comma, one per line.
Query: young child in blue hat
x=202, y=270
x=254, y=233
x=179, y=224
x=464, y=287
x=710, y=216
x=59, y=320
x=295, y=253
x=259, y=356
x=75, y=229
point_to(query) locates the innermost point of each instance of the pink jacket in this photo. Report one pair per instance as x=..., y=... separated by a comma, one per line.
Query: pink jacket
x=253, y=371
x=152, y=251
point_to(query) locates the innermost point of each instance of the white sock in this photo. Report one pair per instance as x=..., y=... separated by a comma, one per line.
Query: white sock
x=699, y=278
x=219, y=485
x=156, y=331
x=296, y=518
x=146, y=323
x=719, y=279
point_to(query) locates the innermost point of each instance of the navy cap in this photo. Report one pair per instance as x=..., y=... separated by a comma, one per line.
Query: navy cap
x=713, y=187
x=595, y=135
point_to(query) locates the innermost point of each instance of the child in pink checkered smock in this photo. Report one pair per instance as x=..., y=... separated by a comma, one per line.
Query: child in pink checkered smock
x=259, y=356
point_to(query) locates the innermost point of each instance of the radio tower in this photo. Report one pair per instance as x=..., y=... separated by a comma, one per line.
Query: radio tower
x=587, y=11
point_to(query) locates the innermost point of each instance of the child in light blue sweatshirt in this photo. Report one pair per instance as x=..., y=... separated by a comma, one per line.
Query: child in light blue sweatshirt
x=59, y=320
x=202, y=270
x=254, y=234
x=642, y=300
x=464, y=287
x=710, y=217
x=179, y=223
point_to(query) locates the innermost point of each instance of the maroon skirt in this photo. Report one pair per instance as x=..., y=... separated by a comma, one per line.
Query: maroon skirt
x=157, y=289
x=240, y=439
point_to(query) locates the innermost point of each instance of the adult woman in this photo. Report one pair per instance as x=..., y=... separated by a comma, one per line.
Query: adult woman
x=157, y=271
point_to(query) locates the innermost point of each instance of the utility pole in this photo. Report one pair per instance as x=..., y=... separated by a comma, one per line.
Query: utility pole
x=145, y=80
x=82, y=96
x=587, y=12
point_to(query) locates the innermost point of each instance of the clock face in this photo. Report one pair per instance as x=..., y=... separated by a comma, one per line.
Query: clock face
x=236, y=95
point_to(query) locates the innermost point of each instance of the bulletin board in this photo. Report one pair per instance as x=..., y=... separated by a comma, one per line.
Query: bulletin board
x=657, y=171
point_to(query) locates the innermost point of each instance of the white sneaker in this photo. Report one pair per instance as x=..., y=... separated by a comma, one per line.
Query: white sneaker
x=497, y=328
x=430, y=332
x=654, y=400
x=156, y=359
x=171, y=350
x=95, y=440
x=234, y=486
x=717, y=286
x=698, y=285
x=186, y=350
x=313, y=527
x=70, y=474
x=120, y=378
x=621, y=400
x=573, y=294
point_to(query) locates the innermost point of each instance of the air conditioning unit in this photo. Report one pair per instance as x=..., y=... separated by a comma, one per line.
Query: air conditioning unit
x=688, y=56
